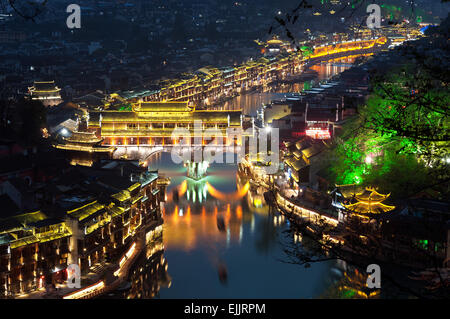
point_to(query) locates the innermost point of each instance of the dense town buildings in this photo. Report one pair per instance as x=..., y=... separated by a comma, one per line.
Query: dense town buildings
x=82, y=216
x=182, y=63
x=45, y=91
x=209, y=85
x=113, y=65
x=83, y=148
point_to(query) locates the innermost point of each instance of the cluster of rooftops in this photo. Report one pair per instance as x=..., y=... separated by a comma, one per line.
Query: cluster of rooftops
x=79, y=193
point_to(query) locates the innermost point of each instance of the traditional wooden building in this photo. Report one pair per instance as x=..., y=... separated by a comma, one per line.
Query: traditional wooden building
x=369, y=202
x=32, y=248
x=154, y=124
x=45, y=91
x=84, y=148
x=94, y=215
x=419, y=233
x=356, y=201
x=299, y=159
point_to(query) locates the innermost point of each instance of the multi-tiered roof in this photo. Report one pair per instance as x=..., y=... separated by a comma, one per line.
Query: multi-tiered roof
x=369, y=202
x=44, y=89
x=84, y=148
x=84, y=142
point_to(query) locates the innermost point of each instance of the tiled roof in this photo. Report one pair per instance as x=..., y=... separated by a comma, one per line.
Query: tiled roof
x=162, y=107
x=44, y=85
x=83, y=137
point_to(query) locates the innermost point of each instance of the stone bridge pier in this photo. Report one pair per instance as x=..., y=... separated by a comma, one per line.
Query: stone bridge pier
x=196, y=170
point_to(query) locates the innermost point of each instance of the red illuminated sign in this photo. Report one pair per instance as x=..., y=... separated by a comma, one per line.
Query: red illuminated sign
x=317, y=133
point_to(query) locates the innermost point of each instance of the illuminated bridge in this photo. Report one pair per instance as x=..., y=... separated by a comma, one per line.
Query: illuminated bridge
x=196, y=159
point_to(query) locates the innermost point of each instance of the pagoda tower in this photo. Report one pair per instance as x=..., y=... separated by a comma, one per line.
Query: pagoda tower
x=369, y=202
x=84, y=148
x=45, y=91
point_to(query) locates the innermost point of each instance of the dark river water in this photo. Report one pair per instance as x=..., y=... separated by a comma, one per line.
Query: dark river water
x=241, y=258
x=221, y=240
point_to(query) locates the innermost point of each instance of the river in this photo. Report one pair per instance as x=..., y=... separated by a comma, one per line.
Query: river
x=249, y=103
x=229, y=248
x=221, y=240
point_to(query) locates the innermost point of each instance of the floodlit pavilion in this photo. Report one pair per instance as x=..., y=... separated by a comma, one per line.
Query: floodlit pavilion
x=369, y=202
x=153, y=123
x=45, y=91
x=84, y=148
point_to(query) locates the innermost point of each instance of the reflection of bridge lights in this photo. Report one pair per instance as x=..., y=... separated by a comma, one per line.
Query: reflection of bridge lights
x=180, y=213
x=240, y=193
x=239, y=212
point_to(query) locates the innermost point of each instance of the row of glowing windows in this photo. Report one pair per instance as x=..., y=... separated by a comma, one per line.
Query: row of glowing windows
x=168, y=141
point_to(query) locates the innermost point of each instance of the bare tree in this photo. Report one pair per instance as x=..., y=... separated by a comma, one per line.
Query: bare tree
x=316, y=246
x=353, y=13
x=28, y=10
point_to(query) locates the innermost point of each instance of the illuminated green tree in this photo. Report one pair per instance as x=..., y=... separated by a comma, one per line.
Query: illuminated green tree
x=400, y=138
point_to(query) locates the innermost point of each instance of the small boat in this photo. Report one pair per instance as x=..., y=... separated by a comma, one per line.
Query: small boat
x=223, y=274
x=221, y=223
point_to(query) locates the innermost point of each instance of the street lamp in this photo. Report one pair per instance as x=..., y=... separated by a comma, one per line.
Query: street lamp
x=369, y=159
x=64, y=132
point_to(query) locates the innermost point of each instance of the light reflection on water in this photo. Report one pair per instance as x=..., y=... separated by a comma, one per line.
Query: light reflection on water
x=226, y=249
x=231, y=248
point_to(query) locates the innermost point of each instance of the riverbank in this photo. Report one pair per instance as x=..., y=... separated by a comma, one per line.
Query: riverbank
x=113, y=277
x=358, y=242
x=307, y=75
x=101, y=278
